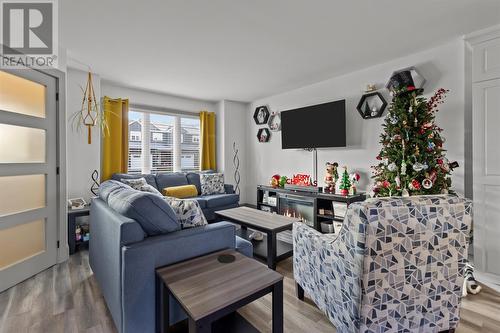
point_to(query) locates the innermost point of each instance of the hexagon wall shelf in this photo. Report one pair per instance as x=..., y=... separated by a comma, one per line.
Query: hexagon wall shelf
x=263, y=135
x=371, y=105
x=274, y=122
x=418, y=79
x=261, y=115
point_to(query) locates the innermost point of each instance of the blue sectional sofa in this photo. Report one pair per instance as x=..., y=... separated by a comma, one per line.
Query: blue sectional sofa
x=209, y=203
x=132, y=234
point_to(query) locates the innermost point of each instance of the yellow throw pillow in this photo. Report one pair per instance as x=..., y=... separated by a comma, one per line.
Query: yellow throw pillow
x=181, y=192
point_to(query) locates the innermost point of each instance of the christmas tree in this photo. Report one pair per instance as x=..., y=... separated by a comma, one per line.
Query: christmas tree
x=412, y=159
x=345, y=183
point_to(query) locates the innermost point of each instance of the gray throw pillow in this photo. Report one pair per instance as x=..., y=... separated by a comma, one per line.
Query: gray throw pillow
x=140, y=184
x=212, y=183
x=188, y=211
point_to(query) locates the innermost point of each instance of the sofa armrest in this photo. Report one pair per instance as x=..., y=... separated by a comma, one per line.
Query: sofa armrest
x=141, y=259
x=228, y=188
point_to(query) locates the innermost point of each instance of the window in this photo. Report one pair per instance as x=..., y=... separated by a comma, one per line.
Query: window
x=135, y=136
x=153, y=133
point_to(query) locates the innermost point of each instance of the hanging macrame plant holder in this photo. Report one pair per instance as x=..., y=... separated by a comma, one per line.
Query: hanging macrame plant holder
x=90, y=109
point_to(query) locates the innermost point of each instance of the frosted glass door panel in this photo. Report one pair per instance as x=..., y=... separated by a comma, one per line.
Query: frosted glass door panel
x=21, y=193
x=21, y=242
x=22, y=96
x=21, y=144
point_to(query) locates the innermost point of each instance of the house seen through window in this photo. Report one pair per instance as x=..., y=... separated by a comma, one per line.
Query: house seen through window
x=153, y=147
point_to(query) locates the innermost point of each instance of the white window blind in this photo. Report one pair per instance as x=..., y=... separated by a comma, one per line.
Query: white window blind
x=153, y=133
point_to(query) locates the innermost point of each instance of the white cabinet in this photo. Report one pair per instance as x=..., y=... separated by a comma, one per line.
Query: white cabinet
x=486, y=60
x=486, y=153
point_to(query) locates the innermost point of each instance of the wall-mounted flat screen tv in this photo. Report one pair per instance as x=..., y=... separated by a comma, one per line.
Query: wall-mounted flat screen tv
x=316, y=126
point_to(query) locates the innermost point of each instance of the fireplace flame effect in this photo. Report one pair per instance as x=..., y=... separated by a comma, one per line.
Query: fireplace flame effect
x=292, y=213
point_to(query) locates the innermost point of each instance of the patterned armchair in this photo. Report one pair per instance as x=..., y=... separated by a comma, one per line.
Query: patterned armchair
x=397, y=265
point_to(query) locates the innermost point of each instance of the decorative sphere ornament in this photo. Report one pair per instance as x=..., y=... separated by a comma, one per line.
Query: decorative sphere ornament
x=392, y=167
x=393, y=119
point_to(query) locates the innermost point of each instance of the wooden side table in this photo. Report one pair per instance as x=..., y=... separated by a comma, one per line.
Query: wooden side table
x=72, y=215
x=209, y=290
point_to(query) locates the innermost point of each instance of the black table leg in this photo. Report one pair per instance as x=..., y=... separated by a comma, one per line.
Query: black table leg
x=164, y=309
x=278, y=307
x=300, y=291
x=71, y=233
x=271, y=250
x=199, y=327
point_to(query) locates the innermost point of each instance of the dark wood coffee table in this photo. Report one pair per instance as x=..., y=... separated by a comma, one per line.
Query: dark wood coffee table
x=209, y=290
x=269, y=248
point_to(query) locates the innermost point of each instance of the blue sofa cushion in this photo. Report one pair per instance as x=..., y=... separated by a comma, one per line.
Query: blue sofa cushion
x=107, y=187
x=171, y=179
x=218, y=200
x=151, y=211
x=194, y=179
x=150, y=179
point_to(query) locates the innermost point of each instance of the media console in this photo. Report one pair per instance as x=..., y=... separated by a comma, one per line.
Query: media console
x=318, y=210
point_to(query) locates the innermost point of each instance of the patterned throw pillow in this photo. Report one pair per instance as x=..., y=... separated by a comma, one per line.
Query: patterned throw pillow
x=140, y=184
x=188, y=211
x=212, y=183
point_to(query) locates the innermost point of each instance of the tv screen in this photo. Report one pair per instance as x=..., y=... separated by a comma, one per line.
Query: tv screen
x=316, y=126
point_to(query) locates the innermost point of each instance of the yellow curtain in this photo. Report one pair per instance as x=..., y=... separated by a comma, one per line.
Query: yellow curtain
x=115, y=138
x=207, y=133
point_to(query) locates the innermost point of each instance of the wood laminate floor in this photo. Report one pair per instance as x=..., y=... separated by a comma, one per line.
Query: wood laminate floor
x=66, y=298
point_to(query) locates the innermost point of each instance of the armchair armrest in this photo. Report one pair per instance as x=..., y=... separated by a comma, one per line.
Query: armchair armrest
x=329, y=267
x=229, y=188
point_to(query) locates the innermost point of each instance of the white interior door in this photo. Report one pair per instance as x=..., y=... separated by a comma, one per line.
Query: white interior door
x=486, y=137
x=28, y=143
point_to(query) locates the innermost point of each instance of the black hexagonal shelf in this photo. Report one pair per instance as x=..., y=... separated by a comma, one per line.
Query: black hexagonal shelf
x=417, y=77
x=261, y=115
x=371, y=105
x=263, y=135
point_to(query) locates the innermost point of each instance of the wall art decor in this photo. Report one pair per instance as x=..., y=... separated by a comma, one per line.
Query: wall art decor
x=274, y=122
x=94, y=188
x=236, y=163
x=415, y=78
x=261, y=115
x=371, y=105
x=263, y=135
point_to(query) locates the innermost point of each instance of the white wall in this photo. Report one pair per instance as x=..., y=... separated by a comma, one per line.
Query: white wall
x=232, y=125
x=82, y=158
x=442, y=66
x=137, y=96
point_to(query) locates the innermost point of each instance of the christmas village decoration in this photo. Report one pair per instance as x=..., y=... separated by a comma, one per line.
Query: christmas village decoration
x=261, y=115
x=263, y=135
x=371, y=105
x=345, y=183
x=274, y=122
x=412, y=158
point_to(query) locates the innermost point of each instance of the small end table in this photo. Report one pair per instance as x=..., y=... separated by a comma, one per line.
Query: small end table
x=72, y=215
x=209, y=290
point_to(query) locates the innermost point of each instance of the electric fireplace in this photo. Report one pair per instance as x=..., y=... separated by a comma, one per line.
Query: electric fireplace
x=300, y=207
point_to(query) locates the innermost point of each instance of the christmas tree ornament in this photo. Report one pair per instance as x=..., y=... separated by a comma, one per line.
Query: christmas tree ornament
x=419, y=166
x=414, y=185
x=392, y=167
x=403, y=168
x=430, y=146
x=410, y=109
x=405, y=193
x=397, y=180
x=417, y=151
x=415, y=122
x=393, y=119
x=427, y=183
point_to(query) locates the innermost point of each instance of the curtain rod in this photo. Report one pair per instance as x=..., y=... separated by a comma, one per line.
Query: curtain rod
x=143, y=107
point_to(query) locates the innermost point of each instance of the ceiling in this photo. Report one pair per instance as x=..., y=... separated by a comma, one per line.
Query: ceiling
x=245, y=50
